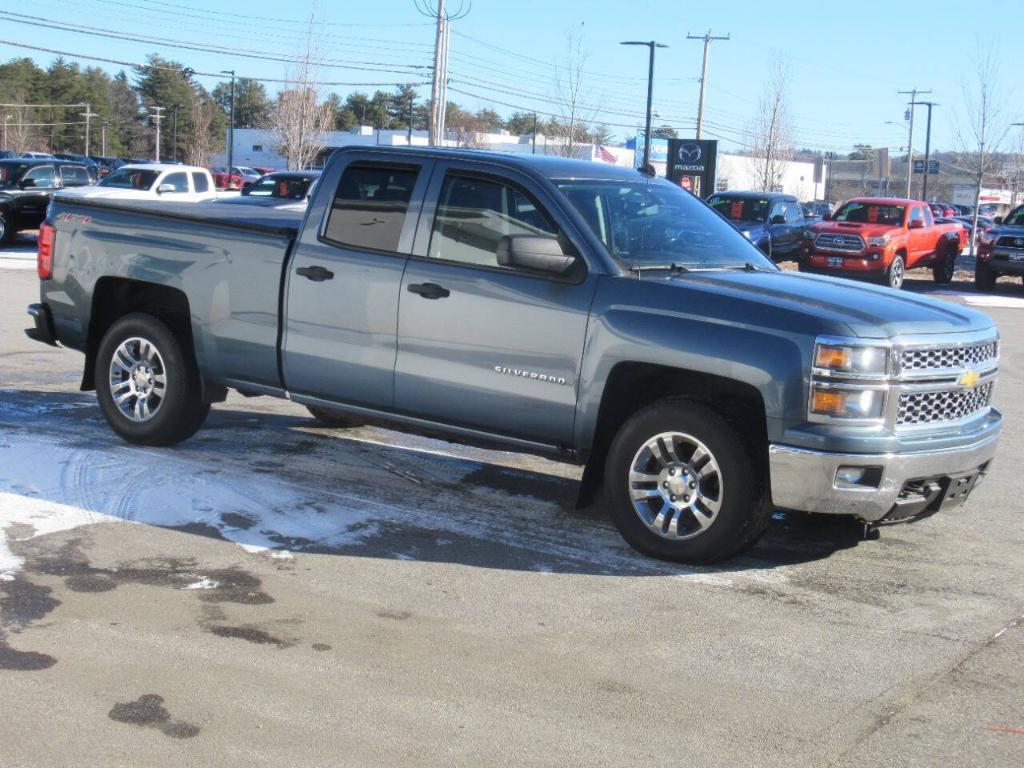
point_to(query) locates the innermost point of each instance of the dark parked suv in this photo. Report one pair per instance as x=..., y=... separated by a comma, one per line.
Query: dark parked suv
x=772, y=221
x=26, y=186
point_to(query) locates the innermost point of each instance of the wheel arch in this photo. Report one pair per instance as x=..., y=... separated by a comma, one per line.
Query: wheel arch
x=632, y=386
x=115, y=297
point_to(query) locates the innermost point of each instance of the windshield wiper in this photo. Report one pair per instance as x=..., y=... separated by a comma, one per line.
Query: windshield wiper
x=674, y=268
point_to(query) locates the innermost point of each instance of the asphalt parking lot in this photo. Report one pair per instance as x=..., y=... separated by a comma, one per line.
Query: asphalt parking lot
x=276, y=593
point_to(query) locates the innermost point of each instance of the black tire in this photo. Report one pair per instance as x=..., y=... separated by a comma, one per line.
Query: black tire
x=744, y=508
x=894, y=274
x=803, y=266
x=335, y=419
x=6, y=232
x=175, y=416
x=945, y=266
x=984, y=277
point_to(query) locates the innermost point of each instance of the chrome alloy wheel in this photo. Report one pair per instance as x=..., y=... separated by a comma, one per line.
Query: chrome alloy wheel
x=138, y=379
x=676, y=486
x=896, y=275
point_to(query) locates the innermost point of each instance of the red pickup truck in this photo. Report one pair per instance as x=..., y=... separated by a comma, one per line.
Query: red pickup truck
x=881, y=238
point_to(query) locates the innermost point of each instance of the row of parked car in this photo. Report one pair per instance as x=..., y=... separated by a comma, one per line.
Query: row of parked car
x=877, y=238
x=27, y=184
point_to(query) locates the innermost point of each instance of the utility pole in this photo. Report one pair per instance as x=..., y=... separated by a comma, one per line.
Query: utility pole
x=651, y=44
x=8, y=117
x=412, y=102
x=436, y=110
x=927, y=148
x=910, y=141
x=88, y=114
x=533, y=151
x=103, y=133
x=231, y=122
x=157, y=114
x=707, y=38
x=174, y=147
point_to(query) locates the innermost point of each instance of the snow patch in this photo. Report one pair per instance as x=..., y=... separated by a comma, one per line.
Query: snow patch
x=204, y=583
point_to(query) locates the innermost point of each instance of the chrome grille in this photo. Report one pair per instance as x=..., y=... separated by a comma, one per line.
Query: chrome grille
x=928, y=358
x=946, y=405
x=837, y=241
x=1011, y=241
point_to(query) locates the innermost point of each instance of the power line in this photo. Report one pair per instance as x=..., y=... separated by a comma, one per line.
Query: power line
x=234, y=15
x=81, y=29
x=137, y=65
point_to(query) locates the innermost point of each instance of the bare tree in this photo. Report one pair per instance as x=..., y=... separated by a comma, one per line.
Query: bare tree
x=772, y=131
x=20, y=134
x=198, y=150
x=569, y=128
x=300, y=119
x=983, y=127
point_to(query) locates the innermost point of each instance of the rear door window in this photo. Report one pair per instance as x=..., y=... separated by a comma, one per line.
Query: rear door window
x=370, y=205
x=200, y=181
x=928, y=219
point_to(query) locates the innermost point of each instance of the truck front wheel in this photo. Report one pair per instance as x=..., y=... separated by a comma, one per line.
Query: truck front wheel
x=147, y=385
x=683, y=484
x=894, y=274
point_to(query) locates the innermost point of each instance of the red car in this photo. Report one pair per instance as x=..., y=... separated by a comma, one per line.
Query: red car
x=880, y=238
x=224, y=180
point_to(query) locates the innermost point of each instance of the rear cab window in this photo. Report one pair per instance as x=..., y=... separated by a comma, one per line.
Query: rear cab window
x=370, y=205
x=74, y=175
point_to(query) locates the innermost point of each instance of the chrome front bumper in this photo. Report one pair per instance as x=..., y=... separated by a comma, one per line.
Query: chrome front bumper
x=806, y=480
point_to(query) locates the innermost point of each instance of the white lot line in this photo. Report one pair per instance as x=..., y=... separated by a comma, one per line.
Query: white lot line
x=18, y=258
x=49, y=485
x=984, y=299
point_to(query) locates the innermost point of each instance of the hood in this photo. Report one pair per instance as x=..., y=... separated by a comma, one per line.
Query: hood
x=818, y=304
x=854, y=228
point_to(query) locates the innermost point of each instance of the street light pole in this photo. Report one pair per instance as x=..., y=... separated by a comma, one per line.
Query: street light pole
x=927, y=148
x=231, y=121
x=651, y=44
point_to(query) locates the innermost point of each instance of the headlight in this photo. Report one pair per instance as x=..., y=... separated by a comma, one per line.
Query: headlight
x=883, y=240
x=846, y=403
x=851, y=359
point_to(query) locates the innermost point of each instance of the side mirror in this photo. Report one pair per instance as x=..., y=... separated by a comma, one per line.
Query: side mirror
x=778, y=219
x=247, y=184
x=917, y=224
x=826, y=216
x=26, y=183
x=164, y=188
x=998, y=220
x=536, y=252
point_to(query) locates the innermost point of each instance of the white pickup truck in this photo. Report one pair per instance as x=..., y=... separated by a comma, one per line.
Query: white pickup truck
x=168, y=181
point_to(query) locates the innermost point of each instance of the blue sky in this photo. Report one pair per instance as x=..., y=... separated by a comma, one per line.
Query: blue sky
x=845, y=60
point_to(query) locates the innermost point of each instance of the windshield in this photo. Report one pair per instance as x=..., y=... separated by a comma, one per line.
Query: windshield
x=11, y=172
x=870, y=213
x=648, y=223
x=1016, y=217
x=130, y=178
x=287, y=187
x=741, y=208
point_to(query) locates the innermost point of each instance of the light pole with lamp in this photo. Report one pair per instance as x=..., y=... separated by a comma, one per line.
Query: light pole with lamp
x=650, y=95
x=1020, y=164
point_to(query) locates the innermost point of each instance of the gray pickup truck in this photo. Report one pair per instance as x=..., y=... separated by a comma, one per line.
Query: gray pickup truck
x=555, y=306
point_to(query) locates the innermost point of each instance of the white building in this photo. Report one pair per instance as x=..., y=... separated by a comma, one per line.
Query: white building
x=256, y=148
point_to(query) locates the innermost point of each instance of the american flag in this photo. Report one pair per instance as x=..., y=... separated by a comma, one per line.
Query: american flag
x=604, y=154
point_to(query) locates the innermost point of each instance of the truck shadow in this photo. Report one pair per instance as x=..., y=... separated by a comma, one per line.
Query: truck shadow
x=268, y=480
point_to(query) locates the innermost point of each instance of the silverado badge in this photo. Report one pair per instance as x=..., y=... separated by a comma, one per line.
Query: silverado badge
x=969, y=379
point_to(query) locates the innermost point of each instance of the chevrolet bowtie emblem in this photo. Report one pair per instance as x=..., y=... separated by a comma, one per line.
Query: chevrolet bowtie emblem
x=969, y=379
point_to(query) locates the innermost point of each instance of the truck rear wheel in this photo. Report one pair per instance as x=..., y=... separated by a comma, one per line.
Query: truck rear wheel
x=6, y=235
x=984, y=277
x=894, y=274
x=945, y=266
x=683, y=485
x=147, y=385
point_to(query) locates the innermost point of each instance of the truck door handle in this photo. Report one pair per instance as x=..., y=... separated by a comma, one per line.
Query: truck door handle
x=316, y=273
x=429, y=290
